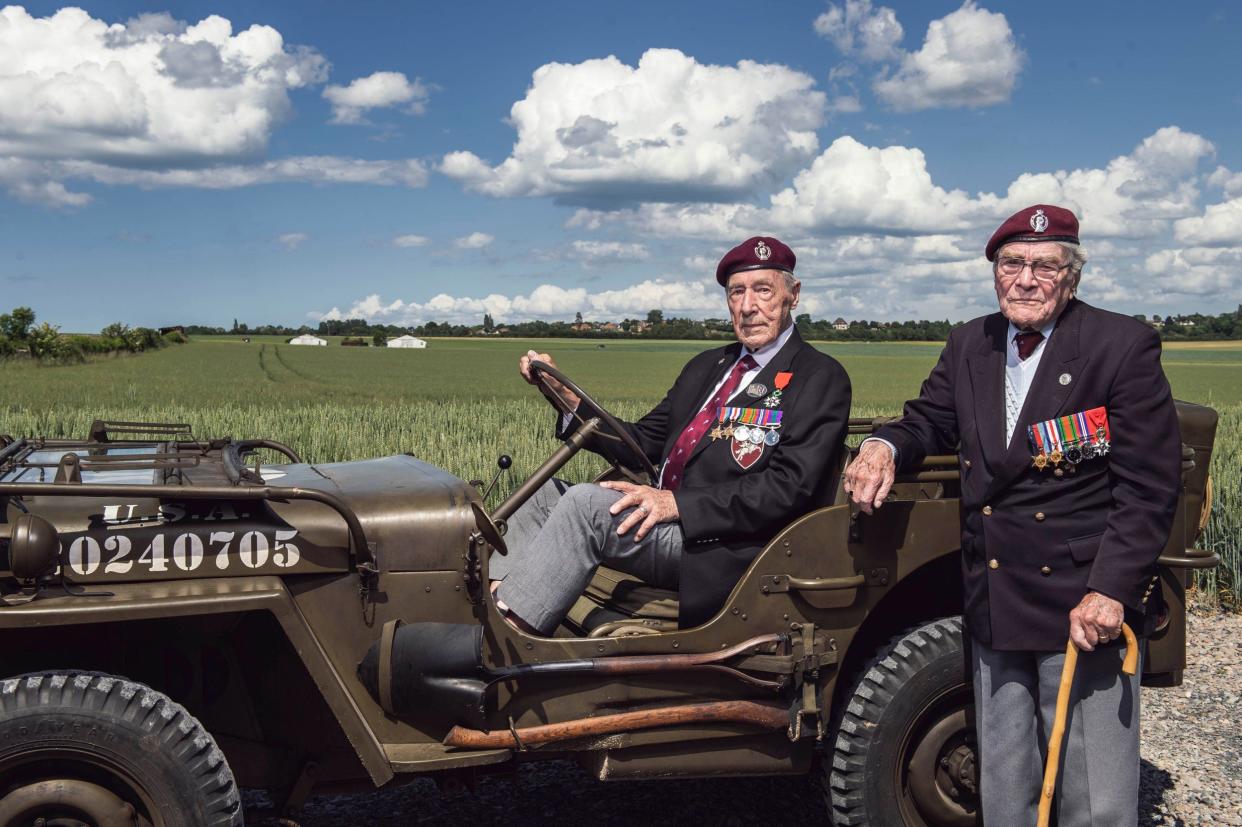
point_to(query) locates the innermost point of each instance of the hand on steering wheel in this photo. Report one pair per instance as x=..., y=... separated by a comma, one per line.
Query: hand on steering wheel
x=560, y=389
x=559, y=395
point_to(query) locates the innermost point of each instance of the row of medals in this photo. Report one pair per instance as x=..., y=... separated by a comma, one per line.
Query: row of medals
x=1075, y=452
x=746, y=433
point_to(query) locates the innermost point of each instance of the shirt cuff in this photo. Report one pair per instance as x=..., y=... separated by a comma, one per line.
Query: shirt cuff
x=890, y=445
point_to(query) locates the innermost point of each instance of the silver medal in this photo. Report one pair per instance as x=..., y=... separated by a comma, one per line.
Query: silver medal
x=771, y=438
x=741, y=433
x=755, y=436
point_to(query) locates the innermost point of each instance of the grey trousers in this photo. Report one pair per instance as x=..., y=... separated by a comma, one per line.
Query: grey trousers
x=557, y=539
x=1015, y=703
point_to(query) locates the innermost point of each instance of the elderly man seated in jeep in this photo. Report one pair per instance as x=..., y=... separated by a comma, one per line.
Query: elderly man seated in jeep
x=747, y=439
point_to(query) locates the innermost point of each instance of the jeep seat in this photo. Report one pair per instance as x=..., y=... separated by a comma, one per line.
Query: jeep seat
x=619, y=603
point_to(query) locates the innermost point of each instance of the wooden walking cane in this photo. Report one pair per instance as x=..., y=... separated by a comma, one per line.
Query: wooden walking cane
x=1129, y=666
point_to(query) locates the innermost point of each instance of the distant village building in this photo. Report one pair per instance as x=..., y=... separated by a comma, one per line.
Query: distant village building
x=407, y=341
x=840, y=324
x=308, y=339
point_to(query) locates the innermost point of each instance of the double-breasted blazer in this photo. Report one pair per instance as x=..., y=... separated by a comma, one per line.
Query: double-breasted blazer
x=727, y=512
x=1034, y=541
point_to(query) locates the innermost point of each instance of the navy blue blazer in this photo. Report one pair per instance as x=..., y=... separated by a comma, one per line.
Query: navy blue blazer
x=1034, y=542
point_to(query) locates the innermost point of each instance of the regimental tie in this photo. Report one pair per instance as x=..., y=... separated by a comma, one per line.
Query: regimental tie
x=1027, y=341
x=698, y=428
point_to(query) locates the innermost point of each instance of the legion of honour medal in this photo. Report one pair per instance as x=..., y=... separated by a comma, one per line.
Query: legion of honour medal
x=773, y=399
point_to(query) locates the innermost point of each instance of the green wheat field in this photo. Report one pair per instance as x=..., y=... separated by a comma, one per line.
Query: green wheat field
x=460, y=403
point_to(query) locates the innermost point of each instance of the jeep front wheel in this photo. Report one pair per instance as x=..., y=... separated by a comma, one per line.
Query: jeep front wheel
x=83, y=748
x=905, y=747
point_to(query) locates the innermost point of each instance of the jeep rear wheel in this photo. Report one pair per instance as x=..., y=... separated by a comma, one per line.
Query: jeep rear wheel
x=905, y=747
x=83, y=748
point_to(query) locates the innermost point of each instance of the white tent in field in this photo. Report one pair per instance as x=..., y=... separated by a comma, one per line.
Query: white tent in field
x=407, y=341
x=307, y=339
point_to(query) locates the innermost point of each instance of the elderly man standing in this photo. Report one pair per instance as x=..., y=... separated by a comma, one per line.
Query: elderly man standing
x=1070, y=471
x=745, y=442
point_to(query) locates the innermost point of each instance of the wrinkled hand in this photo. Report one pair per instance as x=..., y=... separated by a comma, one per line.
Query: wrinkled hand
x=651, y=507
x=870, y=476
x=547, y=385
x=1096, y=619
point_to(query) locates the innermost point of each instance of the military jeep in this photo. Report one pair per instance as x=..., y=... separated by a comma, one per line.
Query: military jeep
x=181, y=618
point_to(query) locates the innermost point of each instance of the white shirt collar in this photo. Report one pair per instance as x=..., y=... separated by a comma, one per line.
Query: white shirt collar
x=764, y=354
x=1047, y=329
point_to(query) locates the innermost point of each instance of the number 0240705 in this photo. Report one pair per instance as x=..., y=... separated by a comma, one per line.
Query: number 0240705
x=185, y=552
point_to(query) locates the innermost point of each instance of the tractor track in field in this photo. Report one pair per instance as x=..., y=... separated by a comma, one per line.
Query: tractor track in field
x=263, y=366
x=292, y=369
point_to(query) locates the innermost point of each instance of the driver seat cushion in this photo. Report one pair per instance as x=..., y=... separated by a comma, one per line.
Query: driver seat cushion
x=615, y=596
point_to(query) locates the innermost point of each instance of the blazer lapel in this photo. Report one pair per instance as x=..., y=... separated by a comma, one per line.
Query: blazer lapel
x=708, y=381
x=1048, y=393
x=987, y=377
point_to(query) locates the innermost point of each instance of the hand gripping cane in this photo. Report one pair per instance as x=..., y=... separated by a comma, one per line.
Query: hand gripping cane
x=1129, y=666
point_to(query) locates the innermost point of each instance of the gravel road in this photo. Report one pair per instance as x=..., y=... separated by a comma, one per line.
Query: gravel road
x=1191, y=772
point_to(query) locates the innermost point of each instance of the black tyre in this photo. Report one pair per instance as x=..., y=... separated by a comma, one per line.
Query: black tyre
x=905, y=747
x=83, y=748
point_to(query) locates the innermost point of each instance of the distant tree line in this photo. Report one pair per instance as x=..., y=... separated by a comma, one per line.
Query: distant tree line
x=1197, y=326
x=872, y=331
x=656, y=326
x=20, y=337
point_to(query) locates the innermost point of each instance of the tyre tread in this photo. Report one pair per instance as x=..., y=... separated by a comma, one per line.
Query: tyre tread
x=895, y=662
x=179, y=733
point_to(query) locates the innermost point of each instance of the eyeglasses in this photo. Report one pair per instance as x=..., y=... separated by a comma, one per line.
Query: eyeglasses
x=1045, y=271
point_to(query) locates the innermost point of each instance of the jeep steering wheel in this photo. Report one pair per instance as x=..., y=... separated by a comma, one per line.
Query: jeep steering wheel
x=613, y=431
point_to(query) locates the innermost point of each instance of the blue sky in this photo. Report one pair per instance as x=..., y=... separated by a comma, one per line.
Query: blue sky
x=198, y=162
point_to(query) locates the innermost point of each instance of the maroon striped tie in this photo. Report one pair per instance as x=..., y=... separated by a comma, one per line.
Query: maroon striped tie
x=697, y=429
x=1027, y=341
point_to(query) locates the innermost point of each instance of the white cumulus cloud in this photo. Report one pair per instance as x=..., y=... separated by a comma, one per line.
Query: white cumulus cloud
x=969, y=59
x=154, y=101
x=668, y=129
x=474, y=241
x=1220, y=225
x=376, y=91
x=410, y=240
x=74, y=87
x=860, y=30
x=591, y=251
x=292, y=241
x=854, y=188
x=1202, y=271
x=547, y=301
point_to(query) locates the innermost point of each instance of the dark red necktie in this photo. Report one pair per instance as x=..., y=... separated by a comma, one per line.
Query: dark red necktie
x=697, y=429
x=1027, y=341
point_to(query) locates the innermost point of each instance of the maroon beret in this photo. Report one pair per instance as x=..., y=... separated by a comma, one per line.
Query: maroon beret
x=1041, y=222
x=759, y=253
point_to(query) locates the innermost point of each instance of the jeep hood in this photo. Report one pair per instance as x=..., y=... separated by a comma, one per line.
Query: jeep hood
x=416, y=516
